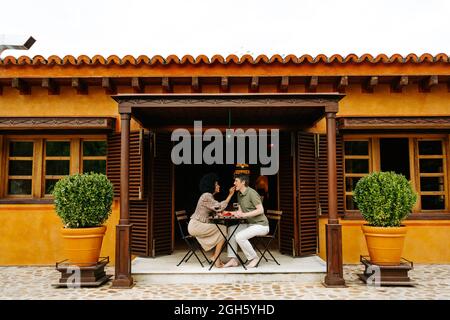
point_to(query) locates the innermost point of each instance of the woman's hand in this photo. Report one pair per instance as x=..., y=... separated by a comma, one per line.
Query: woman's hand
x=232, y=190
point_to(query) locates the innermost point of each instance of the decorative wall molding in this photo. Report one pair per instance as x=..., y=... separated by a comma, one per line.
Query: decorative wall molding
x=370, y=123
x=229, y=100
x=51, y=123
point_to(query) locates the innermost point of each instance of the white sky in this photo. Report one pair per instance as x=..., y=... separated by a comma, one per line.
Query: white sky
x=211, y=27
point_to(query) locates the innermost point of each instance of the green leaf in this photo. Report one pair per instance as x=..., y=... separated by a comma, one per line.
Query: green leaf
x=385, y=199
x=83, y=200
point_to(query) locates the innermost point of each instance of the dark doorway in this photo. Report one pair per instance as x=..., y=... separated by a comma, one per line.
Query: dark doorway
x=187, y=178
x=394, y=155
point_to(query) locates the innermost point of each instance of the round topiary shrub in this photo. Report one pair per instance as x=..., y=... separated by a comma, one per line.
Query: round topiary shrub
x=384, y=198
x=83, y=200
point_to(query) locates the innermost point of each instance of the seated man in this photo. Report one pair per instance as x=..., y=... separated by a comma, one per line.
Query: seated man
x=250, y=208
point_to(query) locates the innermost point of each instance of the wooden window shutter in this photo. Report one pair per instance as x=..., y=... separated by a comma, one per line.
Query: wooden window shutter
x=323, y=174
x=113, y=162
x=287, y=195
x=307, y=193
x=162, y=195
x=139, y=208
x=136, y=175
x=140, y=150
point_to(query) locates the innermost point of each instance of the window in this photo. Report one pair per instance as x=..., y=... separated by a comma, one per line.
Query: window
x=356, y=166
x=94, y=156
x=35, y=164
x=20, y=168
x=422, y=160
x=432, y=174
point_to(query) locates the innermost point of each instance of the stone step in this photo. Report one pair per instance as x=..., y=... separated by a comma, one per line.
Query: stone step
x=185, y=278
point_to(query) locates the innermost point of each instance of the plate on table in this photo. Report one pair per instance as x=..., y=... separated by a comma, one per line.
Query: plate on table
x=227, y=214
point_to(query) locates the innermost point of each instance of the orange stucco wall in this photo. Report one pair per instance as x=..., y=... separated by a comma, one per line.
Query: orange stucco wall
x=30, y=234
x=425, y=242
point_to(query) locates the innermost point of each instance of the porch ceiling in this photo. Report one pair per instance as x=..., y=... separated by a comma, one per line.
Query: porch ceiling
x=224, y=110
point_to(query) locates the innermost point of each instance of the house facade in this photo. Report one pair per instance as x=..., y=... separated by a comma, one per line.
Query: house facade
x=339, y=119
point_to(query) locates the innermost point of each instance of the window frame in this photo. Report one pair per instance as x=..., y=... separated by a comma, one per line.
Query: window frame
x=38, y=175
x=375, y=164
x=33, y=169
x=352, y=175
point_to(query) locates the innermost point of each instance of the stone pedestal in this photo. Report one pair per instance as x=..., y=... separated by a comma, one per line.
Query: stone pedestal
x=73, y=276
x=386, y=275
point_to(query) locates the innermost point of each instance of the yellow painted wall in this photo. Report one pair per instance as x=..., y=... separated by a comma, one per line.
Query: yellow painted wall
x=426, y=241
x=30, y=234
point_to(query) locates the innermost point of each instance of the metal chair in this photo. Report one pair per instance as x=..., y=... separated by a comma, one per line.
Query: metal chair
x=274, y=218
x=191, y=241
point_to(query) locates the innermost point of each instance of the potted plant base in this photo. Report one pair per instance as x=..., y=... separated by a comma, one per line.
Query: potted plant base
x=90, y=276
x=384, y=275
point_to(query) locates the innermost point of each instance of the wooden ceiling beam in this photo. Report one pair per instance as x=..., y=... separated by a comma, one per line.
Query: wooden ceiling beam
x=109, y=85
x=1, y=90
x=398, y=84
x=341, y=84
x=80, y=85
x=224, y=84
x=196, y=84
x=167, y=86
x=426, y=84
x=21, y=85
x=369, y=85
x=312, y=83
x=254, y=85
x=51, y=86
x=284, y=84
x=137, y=85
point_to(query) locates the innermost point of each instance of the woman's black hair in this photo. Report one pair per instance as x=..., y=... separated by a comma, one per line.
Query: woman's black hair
x=208, y=183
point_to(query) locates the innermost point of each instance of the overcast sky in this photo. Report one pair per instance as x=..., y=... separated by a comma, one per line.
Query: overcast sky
x=224, y=27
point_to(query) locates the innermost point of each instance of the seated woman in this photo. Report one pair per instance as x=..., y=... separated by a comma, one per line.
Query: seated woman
x=207, y=234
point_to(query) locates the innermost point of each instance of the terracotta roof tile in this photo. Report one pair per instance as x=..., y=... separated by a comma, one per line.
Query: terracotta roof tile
x=218, y=59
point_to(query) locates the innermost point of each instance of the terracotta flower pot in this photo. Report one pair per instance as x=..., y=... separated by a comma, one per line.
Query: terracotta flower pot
x=82, y=245
x=385, y=244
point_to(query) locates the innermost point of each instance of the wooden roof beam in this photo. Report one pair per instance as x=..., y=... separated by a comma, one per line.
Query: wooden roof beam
x=167, y=86
x=1, y=90
x=341, y=84
x=369, y=85
x=80, y=85
x=137, y=85
x=224, y=84
x=426, y=84
x=284, y=84
x=21, y=85
x=312, y=83
x=254, y=85
x=109, y=85
x=196, y=84
x=398, y=84
x=51, y=86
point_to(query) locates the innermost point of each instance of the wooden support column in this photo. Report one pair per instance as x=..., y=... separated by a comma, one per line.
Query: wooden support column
x=123, y=277
x=335, y=273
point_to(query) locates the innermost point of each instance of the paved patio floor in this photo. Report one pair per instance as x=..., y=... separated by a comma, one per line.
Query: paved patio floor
x=433, y=282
